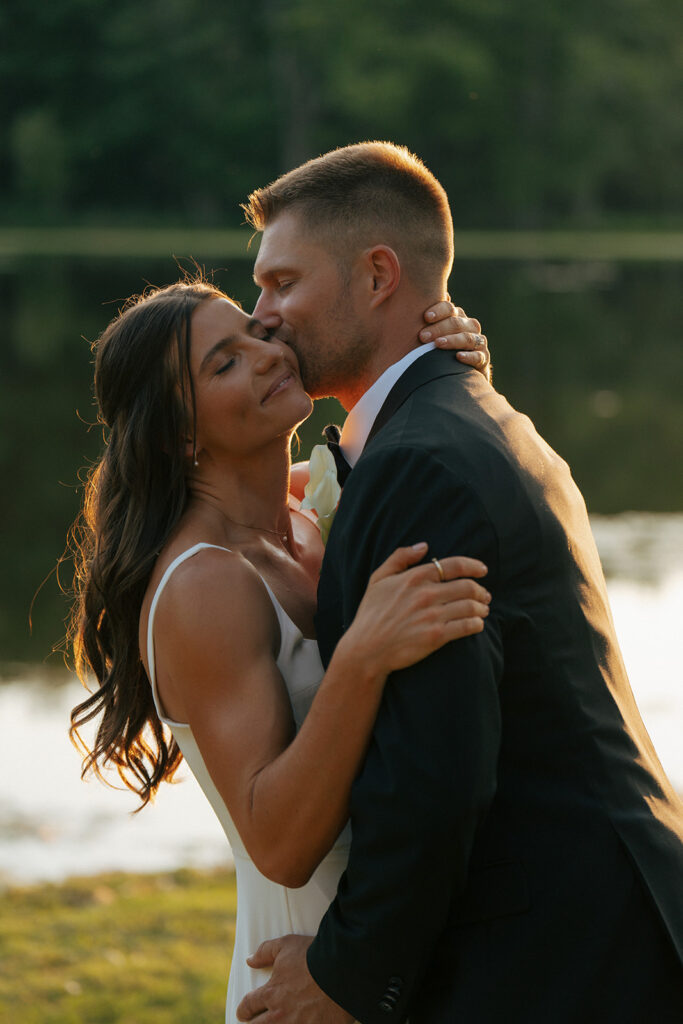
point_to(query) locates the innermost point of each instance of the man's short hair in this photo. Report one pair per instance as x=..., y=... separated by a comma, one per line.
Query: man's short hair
x=371, y=193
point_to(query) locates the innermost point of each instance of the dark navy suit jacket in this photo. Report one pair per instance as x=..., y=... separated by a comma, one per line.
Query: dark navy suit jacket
x=517, y=850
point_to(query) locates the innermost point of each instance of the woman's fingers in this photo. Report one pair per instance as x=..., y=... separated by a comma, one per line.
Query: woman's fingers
x=467, y=609
x=472, y=349
x=466, y=344
x=400, y=560
x=462, y=590
x=460, y=568
x=454, y=567
x=441, y=311
x=478, y=359
x=446, y=622
x=411, y=609
x=458, y=628
x=451, y=327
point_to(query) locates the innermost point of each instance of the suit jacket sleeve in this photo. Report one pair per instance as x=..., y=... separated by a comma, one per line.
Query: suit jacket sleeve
x=430, y=772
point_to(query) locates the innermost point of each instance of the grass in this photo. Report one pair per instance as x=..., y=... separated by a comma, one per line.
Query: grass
x=118, y=949
x=125, y=242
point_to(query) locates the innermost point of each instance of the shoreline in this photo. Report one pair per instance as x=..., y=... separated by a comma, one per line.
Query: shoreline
x=112, y=242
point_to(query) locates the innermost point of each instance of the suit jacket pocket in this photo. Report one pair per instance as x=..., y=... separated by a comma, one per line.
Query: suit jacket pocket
x=497, y=890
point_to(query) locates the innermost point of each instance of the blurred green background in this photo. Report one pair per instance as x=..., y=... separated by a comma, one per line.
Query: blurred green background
x=130, y=133
x=532, y=113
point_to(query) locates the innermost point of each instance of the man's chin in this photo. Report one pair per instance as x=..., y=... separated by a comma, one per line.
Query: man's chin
x=315, y=383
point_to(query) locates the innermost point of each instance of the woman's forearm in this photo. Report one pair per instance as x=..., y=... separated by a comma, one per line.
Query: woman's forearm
x=299, y=801
x=293, y=792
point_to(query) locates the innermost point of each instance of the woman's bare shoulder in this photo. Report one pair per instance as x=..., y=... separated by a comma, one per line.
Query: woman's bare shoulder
x=216, y=584
x=213, y=600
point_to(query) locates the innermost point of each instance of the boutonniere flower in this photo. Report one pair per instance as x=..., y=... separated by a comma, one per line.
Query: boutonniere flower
x=322, y=490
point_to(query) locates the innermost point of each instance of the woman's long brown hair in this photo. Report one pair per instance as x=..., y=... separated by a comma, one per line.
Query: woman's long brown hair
x=134, y=496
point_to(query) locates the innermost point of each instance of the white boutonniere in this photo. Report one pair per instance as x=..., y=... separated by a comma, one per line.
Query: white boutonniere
x=322, y=490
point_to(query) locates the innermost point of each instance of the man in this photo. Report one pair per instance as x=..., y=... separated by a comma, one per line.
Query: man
x=517, y=850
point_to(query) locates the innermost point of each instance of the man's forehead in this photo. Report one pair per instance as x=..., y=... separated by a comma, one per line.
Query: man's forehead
x=285, y=241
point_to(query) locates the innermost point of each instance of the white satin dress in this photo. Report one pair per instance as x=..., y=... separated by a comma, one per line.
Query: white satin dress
x=265, y=910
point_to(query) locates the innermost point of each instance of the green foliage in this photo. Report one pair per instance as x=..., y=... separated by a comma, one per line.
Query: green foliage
x=531, y=114
x=118, y=949
x=40, y=158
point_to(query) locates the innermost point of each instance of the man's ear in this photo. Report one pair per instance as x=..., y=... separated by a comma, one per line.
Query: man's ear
x=383, y=273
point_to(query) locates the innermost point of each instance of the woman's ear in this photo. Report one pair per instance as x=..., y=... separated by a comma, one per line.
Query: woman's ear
x=191, y=451
x=384, y=273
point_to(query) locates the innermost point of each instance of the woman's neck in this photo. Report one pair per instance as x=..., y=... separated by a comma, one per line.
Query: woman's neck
x=249, y=495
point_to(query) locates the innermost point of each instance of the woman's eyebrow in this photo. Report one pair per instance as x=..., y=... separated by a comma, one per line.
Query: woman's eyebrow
x=215, y=349
x=252, y=326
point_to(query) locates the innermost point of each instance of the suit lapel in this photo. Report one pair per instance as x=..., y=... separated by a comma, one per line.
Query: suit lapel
x=329, y=617
x=438, y=363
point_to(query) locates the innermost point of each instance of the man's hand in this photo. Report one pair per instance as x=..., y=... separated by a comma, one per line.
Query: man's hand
x=290, y=996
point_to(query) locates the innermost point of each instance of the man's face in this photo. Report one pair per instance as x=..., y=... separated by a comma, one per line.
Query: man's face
x=305, y=296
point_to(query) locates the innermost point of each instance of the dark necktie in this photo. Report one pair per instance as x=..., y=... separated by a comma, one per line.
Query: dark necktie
x=333, y=434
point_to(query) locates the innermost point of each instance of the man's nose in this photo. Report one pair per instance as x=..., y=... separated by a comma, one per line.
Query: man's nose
x=265, y=311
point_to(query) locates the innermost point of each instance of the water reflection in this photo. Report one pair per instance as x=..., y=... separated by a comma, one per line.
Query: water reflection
x=52, y=825
x=640, y=548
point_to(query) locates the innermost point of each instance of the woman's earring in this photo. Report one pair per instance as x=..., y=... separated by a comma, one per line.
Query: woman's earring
x=195, y=460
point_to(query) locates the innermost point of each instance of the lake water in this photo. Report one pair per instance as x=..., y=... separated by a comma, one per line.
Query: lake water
x=52, y=825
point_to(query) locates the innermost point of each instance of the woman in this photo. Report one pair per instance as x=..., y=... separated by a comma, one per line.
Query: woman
x=197, y=572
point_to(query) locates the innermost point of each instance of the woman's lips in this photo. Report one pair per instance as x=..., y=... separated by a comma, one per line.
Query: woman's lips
x=278, y=385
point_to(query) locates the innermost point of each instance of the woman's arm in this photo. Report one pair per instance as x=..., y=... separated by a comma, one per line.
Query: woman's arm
x=217, y=640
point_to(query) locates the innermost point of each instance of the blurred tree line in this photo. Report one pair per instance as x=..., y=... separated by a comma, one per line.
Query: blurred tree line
x=533, y=113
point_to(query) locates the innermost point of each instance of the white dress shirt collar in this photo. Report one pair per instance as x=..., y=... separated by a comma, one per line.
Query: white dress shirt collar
x=360, y=419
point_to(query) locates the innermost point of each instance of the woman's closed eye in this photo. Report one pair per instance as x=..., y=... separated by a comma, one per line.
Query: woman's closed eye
x=226, y=366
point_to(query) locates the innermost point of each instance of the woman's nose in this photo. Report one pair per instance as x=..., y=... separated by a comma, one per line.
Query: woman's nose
x=266, y=355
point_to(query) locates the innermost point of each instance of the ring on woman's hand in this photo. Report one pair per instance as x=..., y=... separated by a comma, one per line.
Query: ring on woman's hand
x=439, y=569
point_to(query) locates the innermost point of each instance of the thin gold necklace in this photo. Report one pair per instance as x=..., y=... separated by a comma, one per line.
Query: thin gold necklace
x=259, y=529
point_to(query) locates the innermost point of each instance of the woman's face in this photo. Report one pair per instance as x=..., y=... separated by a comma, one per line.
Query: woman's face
x=248, y=388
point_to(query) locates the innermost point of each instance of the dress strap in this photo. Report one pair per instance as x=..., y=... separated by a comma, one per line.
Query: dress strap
x=183, y=557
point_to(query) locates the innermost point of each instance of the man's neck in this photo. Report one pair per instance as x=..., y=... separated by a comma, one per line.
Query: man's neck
x=397, y=341
x=354, y=391
x=395, y=333
x=362, y=416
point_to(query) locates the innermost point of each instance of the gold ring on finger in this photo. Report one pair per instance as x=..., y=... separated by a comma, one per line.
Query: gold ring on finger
x=439, y=569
